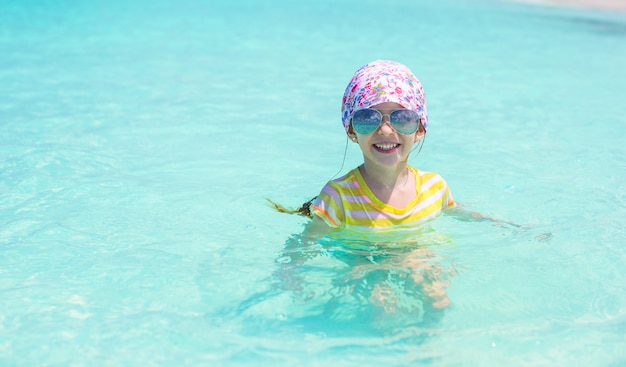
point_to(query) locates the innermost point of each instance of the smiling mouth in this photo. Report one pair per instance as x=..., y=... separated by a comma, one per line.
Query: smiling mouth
x=386, y=147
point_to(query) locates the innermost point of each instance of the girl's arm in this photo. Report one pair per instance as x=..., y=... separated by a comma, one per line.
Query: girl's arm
x=303, y=246
x=315, y=229
x=464, y=215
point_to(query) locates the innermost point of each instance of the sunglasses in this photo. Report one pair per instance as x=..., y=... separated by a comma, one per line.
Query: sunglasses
x=367, y=120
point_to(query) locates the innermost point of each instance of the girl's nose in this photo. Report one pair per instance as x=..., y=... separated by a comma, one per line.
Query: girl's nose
x=386, y=128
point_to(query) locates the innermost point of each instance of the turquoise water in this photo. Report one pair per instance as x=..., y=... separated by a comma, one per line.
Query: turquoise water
x=139, y=143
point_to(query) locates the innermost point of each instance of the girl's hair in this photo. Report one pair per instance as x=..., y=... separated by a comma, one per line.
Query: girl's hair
x=304, y=210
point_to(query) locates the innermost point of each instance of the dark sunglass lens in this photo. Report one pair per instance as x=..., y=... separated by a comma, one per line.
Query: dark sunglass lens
x=366, y=121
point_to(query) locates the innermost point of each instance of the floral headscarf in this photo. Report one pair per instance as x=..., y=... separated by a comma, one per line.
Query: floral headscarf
x=383, y=81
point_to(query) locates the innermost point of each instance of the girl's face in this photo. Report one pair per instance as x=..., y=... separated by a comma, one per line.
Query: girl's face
x=385, y=146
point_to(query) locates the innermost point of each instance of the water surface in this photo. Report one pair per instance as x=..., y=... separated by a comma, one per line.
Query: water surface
x=140, y=140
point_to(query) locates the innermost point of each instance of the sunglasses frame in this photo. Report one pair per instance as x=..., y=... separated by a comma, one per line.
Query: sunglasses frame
x=382, y=116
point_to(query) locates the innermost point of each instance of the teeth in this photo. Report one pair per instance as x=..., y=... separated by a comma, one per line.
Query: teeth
x=385, y=146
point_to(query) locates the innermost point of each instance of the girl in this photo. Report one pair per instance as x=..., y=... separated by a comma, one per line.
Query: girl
x=384, y=112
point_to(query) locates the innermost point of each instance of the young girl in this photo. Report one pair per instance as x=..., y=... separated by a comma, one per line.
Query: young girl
x=384, y=112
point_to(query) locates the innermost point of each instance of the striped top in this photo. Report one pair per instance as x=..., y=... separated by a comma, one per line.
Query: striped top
x=348, y=202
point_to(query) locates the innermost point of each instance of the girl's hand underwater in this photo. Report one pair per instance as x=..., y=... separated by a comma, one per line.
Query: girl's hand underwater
x=459, y=213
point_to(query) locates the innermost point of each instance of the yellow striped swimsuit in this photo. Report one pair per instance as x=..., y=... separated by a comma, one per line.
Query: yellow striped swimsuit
x=348, y=202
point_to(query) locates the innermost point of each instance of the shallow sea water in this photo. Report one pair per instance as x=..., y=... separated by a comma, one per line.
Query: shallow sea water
x=140, y=140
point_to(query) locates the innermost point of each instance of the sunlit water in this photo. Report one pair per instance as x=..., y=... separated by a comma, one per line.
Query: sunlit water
x=140, y=140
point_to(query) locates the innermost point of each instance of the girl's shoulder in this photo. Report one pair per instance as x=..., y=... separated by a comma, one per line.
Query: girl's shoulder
x=347, y=180
x=422, y=177
x=419, y=173
x=350, y=176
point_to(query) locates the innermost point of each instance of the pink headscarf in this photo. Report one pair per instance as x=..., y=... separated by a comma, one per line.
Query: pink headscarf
x=383, y=81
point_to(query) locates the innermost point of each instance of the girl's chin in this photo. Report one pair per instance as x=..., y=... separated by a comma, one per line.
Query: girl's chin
x=390, y=161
